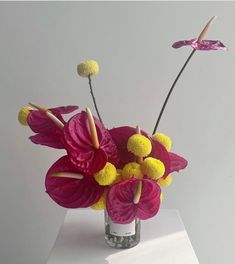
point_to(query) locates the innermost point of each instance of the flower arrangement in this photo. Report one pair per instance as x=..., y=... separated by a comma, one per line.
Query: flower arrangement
x=123, y=169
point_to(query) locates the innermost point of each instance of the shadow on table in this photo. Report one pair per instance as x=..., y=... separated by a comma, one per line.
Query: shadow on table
x=85, y=244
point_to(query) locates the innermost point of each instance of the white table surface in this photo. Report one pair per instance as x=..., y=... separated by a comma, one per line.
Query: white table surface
x=164, y=240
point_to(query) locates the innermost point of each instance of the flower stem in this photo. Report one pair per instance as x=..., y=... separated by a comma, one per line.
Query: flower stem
x=93, y=98
x=200, y=38
x=171, y=89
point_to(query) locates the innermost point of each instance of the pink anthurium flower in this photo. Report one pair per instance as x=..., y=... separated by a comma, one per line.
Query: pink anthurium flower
x=204, y=45
x=79, y=145
x=71, y=192
x=120, y=201
x=47, y=133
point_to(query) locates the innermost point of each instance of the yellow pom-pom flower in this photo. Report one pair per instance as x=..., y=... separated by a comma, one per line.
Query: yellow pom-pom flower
x=153, y=168
x=23, y=115
x=165, y=182
x=163, y=139
x=139, y=145
x=107, y=175
x=101, y=204
x=89, y=67
x=132, y=169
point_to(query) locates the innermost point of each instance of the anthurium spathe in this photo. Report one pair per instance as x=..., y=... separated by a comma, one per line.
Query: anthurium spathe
x=80, y=148
x=120, y=200
x=204, y=45
x=177, y=162
x=47, y=132
x=71, y=192
x=200, y=43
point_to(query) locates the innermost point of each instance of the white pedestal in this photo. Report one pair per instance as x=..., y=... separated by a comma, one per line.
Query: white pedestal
x=164, y=240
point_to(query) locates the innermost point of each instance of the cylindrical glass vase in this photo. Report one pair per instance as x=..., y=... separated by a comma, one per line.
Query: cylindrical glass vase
x=121, y=235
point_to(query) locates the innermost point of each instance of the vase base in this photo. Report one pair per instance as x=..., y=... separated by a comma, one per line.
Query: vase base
x=116, y=234
x=121, y=242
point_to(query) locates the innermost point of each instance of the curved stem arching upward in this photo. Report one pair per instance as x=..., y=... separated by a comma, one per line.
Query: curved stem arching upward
x=171, y=89
x=200, y=38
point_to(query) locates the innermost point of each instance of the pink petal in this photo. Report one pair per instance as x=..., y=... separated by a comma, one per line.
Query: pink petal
x=202, y=45
x=120, y=206
x=90, y=161
x=64, y=109
x=71, y=193
x=78, y=143
x=40, y=123
x=52, y=140
x=206, y=45
x=177, y=162
x=182, y=43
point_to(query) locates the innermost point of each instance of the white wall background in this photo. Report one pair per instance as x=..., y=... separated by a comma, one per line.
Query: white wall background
x=40, y=46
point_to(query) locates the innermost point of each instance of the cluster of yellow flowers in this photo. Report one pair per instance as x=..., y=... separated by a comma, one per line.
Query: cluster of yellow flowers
x=153, y=168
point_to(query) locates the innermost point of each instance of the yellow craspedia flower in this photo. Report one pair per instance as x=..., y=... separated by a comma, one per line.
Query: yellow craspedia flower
x=153, y=168
x=161, y=197
x=139, y=145
x=163, y=139
x=165, y=182
x=107, y=175
x=23, y=115
x=89, y=67
x=132, y=169
x=101, y=204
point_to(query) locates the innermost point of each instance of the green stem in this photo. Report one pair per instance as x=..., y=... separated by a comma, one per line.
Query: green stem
x=93, y=98
x=170, y=91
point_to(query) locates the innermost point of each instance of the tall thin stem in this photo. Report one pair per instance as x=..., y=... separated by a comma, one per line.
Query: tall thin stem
x=171, y=89
x=93, y=98
x=200, y=38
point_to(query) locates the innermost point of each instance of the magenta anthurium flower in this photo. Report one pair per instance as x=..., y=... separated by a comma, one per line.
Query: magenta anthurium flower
x=200, y=45
x=78, y=143
x=71, y=192
x=47, y=132
x=120, y=201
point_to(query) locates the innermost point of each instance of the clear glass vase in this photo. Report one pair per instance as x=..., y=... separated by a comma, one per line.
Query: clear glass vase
x=121, y=235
